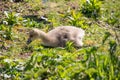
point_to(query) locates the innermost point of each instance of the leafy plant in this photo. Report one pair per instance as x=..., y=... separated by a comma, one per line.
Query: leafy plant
x=76, y=19
x=9, y=21
x=113, y=19
x=11, y=69
x=11, y=18
x=6, y=32
x=91, y=8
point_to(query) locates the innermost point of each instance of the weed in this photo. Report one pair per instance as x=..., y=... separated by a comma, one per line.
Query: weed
x=11, y=18
x=91, y=8
x=9, y=21
x=76, y=20
x=113, y=19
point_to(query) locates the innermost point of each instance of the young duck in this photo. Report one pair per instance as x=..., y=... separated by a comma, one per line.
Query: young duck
x=59, y=36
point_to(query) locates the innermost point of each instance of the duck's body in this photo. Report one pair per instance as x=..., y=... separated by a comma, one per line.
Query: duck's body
x=59, y=36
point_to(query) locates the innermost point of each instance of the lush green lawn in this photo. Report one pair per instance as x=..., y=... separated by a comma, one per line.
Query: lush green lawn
x=98, y=59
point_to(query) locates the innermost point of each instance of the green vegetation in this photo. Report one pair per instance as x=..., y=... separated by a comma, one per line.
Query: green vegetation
x=98, y=59
x=91, y=8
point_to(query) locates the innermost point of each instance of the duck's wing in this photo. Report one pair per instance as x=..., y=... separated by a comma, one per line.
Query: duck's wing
x=60, y=36
x=66, y=33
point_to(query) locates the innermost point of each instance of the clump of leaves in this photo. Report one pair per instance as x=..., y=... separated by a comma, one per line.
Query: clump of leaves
x=76, y=20
x=11, y=18
x=30, y=23
x=6, y=32
x=11, y=69
x=91, y=8
x=69, y=46
x=113, y=19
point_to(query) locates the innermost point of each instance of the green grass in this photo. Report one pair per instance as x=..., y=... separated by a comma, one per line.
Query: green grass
x=98, y=59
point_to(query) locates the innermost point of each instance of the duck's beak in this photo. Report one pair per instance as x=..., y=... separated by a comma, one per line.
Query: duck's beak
x=29, y=41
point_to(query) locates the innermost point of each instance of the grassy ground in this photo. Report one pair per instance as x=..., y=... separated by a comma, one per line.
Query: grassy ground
x=98, y=59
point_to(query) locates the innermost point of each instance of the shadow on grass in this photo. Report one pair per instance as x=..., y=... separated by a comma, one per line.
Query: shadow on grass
x=38, y=19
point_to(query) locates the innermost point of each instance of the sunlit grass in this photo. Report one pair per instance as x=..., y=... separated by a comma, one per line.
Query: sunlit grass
x=97, y=59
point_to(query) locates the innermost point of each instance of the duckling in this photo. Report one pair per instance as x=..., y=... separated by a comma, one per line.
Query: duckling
x=59, y=36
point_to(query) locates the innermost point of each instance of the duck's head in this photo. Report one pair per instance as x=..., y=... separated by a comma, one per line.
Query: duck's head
x=33, y=34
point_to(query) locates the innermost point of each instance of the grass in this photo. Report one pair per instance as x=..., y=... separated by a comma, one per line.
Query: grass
x=99, y=58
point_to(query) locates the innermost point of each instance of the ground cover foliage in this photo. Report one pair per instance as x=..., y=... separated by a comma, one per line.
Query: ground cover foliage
x=98, y=59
